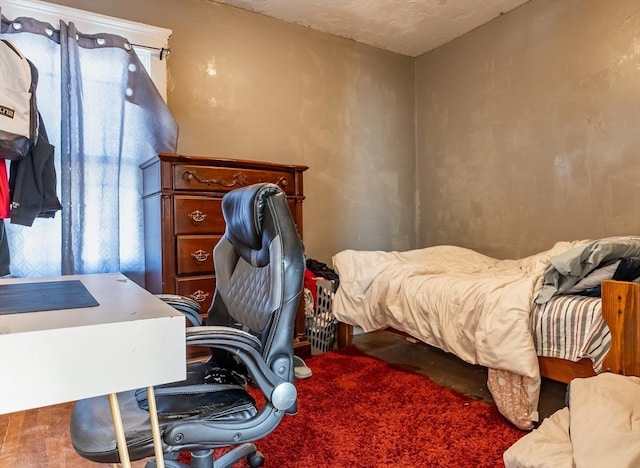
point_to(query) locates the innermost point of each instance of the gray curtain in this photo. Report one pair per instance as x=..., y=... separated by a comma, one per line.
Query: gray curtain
x=104, y=117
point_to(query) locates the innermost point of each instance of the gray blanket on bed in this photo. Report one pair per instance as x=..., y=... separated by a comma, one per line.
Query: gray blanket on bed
x=566, y=269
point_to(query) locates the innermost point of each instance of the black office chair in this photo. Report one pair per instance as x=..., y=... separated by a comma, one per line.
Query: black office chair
x=259, y=266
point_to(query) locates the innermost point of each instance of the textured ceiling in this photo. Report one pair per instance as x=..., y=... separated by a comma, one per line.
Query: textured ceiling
x=408, y=27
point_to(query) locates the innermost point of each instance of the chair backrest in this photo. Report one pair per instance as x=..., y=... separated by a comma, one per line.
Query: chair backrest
x=259, y=266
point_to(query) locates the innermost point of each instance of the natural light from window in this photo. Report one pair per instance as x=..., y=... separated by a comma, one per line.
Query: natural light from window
x=147, y=41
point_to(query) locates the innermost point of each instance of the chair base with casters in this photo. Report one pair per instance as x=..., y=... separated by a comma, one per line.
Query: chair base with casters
x=259, y=273
x=204, y=459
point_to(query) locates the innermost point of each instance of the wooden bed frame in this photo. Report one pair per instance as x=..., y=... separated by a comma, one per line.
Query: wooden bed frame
x=621, y=312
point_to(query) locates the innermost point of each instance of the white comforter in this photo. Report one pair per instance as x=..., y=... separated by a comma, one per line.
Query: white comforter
x=456, y=299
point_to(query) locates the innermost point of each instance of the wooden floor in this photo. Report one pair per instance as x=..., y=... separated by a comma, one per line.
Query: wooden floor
x=40, y=438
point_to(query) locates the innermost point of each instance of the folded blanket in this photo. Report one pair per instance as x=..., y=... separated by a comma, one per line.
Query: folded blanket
x=600, y=428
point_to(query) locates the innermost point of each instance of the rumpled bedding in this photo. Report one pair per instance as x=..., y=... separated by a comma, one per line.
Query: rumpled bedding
x=458, y=300
x=600, y=427
x=565, y=270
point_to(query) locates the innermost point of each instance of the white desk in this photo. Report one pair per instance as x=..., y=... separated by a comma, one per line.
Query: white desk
x=130, y=340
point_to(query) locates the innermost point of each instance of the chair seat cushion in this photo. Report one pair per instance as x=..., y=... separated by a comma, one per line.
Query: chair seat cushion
x=225, y=398
x=209, y=391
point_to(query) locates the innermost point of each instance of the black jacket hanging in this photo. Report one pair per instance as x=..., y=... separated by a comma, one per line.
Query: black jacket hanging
x=32, y=183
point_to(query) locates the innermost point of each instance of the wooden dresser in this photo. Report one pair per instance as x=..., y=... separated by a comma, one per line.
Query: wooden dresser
x=183, y=221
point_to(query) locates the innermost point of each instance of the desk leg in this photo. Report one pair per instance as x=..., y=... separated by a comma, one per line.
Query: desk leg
x=119, y=428
x=155, y=427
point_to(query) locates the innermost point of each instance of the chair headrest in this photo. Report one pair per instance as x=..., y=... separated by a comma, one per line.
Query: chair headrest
x=243, y=211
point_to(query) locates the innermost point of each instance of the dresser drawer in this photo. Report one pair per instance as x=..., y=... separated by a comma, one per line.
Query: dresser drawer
x=224, y=179
x=198, y=288
x=198, y=215
x=195, y=254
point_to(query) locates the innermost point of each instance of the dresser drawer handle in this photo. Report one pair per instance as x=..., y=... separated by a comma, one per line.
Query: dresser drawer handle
x=197, y=216
x=282, y=182
x=240, y=179
x=199, y=295
x=200, y=256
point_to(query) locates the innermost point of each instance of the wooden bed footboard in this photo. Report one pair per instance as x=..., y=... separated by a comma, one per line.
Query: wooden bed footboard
x=621, y=312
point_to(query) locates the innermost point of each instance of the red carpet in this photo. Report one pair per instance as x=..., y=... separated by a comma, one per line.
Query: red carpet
x=358, y=411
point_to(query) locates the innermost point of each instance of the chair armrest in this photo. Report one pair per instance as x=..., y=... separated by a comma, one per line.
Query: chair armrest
x=202, y=332
x=186, y=305
x=277, y=388
x=275, y=385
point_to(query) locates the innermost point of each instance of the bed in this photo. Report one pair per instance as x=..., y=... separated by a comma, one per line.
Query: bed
x=485, y=310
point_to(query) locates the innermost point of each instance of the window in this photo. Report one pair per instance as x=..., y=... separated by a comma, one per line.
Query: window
x=111, y=121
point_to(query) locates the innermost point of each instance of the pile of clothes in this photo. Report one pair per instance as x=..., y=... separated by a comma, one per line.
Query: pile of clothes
x=29, y=190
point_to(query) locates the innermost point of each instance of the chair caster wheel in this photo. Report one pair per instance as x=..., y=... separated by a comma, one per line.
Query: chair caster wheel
x=255, y=460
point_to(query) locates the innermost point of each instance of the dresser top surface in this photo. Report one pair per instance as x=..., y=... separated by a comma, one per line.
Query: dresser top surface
x=222, y=162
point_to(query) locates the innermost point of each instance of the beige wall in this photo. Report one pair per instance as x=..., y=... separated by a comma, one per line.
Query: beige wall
x=528, y=129
x=245, y=86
